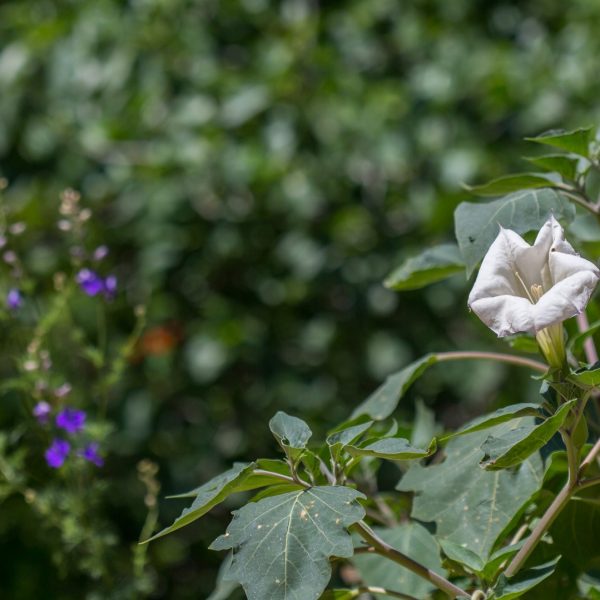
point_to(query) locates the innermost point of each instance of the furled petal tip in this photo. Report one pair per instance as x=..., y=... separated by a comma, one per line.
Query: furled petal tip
x=523, y=288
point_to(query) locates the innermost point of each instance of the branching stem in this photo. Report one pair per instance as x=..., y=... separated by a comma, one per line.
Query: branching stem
x=384, y=549
x=497, y=356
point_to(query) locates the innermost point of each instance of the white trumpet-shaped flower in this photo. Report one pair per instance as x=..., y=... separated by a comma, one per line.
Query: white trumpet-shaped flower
x=523, y=288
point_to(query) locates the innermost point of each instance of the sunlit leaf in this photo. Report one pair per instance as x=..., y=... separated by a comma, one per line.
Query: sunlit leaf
x=557, y=163
x=282, y=545
x=511, y=183
x=576, y=141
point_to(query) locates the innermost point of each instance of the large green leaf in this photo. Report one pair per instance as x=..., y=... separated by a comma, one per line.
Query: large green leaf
x=477, y=225
x=215, y=491
x=384, y=400
x=392, y=448
x=517, y=586
x=471, y=507
x=576, y=141
x=508, y=413
x=511, y=183
x=557, y=163
x=291, y=433
x=522, y=439
x=282, y=545
x=433, y=264
x=413, y=540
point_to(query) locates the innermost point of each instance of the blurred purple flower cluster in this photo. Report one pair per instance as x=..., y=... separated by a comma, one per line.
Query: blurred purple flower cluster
x=72, y=422
x=93, y=284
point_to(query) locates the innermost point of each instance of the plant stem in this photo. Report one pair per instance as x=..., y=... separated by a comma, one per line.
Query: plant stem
x=581, y=200
x=497, y=356
x=297, y=480
x=573, y=485
x=384, y=549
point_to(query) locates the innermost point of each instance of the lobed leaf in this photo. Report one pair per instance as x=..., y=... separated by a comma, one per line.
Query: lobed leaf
x=522, y=439
x=282, y=545
x=576, y=141
x=384, y=400
x=511, y=183
x=433, y=264
x=470, y=507
x=477, y=225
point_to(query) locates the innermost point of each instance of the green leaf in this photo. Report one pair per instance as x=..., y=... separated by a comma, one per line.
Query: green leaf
x=511, y=183
x=576, y=343
x=557, y=163
x=291, y=433
x=434, y=264
x=340, y=594
x=212, y=493
x=523, y=342
x=393, y=448
x=346, y=434
x=515, y=587
x=523, y=438
x=224, y=588
x=508, y=413
x=384, y=400
x=477, y=225
x=576, y=141
x=282, y=545
x=425, y=428
x=413, y=540
x=467, y=558
x=469, y=506
x=587, y=378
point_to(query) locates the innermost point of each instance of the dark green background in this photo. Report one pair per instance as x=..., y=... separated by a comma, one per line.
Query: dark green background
x=257, y=168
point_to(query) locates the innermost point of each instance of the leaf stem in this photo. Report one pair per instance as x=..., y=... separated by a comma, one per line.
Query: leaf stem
x=384, y=549
x=497, y=356
x=297, y=479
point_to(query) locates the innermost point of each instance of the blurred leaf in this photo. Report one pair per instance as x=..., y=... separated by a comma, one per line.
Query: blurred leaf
x=470, y=507
x=282, y=545
x=413, y=540
x=511, y=183
x=224, y=588
x=515, y=587
x=291, y=433
x=384, y=400
x=522, y=439
x=576, y=141
x=425, y=427
x=340, y=594
x=433, y=264
x=557, y=163
x=523, y=343
x=576, y=342
x=477, y=225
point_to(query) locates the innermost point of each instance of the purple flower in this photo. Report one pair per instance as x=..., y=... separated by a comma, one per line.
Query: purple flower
x=41, y=411
x=90, y=282
x=57, y=453
x=71, y=420
x=100, y=252
x=14, y=299
x=110, y=286
x=91, y=454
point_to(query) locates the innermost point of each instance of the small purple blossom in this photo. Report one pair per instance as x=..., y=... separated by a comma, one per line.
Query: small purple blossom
x=57, y=453
x=91, y=454
x=71, y=420
x=100, y=253
x=41, y=411
x=14, y=299
x=90, y=282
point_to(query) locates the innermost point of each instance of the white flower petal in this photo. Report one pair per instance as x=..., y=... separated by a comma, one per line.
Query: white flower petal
x=502, y=295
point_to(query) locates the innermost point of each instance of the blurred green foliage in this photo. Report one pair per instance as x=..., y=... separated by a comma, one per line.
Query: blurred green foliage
x=257, y=168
